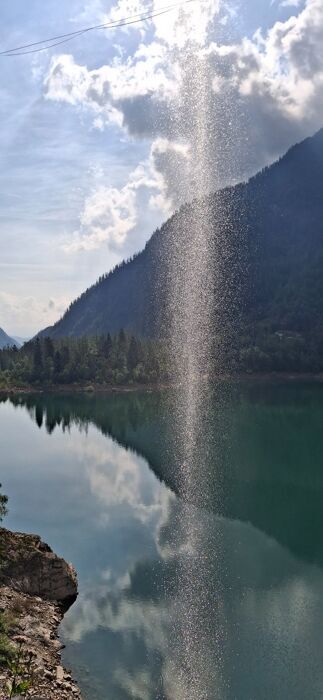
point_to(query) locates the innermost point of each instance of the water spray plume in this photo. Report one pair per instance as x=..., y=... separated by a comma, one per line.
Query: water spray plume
x=194, y=307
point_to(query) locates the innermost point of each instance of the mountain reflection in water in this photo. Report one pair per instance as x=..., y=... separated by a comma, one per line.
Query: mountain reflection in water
x=257, y=508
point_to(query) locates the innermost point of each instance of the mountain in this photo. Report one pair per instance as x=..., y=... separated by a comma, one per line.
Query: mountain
x=5, y=340
x=20, y=341
x=267, y=256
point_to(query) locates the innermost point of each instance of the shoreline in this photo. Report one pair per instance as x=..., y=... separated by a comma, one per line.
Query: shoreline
x=36, y=589
x=90, y=389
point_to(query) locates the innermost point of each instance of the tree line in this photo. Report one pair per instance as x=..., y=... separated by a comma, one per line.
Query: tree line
x=106, y=359
x=123, y=358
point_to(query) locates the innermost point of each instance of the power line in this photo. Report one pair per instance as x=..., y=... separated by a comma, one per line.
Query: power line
x=64, y=38
x=82, y=31
x=74, y=35
x=14, y=52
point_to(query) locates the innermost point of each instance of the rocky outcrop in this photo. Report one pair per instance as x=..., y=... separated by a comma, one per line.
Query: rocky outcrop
x=30, y=566
x=36, y=588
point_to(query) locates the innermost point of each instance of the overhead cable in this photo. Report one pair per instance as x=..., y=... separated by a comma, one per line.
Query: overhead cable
x=44, y=45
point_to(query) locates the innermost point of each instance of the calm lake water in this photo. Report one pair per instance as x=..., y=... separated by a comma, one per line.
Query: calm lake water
x=219, y=598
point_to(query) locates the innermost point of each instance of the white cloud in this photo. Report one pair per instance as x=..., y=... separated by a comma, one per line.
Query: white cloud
x=117, y=477
x=24, y=315
x=187, y=24
x=213, y=113
x=127, y=8
x=287, y=64
x=110, y=215
x=109, y=88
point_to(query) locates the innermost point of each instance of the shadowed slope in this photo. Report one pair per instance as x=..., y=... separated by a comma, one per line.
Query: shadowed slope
x=270, y=266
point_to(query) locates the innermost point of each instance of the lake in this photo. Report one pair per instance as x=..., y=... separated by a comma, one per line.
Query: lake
x=216, y=598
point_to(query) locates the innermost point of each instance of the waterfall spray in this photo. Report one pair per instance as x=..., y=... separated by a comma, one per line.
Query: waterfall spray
x=193, y=260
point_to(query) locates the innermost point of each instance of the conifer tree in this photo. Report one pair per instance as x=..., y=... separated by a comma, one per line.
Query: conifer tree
x=37, y=360
x=122, y=341
x=107, y=347
x=57, y=364
x=133, y=354
x=49, y=348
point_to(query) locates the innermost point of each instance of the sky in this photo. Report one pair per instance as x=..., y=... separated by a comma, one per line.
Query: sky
x=98, y=135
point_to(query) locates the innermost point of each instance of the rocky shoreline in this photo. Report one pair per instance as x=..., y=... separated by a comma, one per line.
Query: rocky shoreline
x=36, y=589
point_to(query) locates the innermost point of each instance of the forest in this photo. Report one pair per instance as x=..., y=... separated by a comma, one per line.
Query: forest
x=124, y=359
x=106, y=359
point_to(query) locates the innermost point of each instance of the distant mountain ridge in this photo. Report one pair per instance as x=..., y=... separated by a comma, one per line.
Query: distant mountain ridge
x=6, y=340
x=269, y=267
x=19, y=340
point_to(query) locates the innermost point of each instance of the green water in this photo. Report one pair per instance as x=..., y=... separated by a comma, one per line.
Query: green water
x=98, y=478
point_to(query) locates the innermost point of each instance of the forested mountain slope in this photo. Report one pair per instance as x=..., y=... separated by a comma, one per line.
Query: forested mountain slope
x=268, y=262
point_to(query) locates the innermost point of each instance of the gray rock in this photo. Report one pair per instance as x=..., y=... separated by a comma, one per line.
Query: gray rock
x=31, y=567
